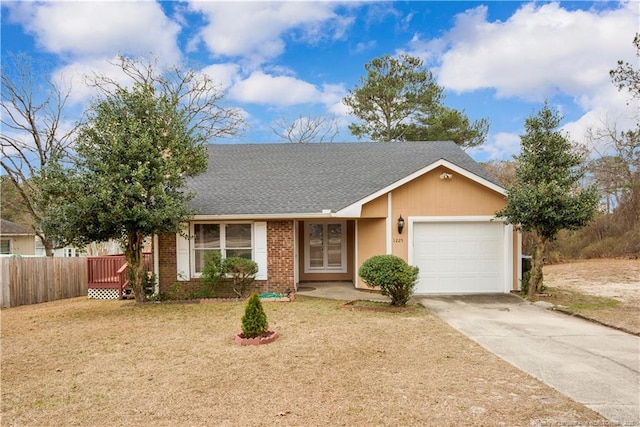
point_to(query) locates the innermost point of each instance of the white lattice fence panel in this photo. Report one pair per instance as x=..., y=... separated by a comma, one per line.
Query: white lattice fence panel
x=95, y=293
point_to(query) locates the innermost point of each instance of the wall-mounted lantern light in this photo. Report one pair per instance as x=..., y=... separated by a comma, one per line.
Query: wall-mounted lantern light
x=400, y=224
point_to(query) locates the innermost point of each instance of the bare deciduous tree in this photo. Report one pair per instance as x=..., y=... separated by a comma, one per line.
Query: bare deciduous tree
x=34, y=132
x=503, y=170
x=617, y=171
x=197, y=95
x=306, y=129
x=625, y=76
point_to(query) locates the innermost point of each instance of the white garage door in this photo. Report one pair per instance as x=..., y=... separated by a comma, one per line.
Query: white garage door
x=459, y=257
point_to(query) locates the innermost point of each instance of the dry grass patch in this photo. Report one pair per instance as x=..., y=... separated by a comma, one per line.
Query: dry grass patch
x=100, y=363
x=605, y=290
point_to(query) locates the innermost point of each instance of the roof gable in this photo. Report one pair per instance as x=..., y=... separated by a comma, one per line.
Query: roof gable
x=356, y=208
x=309, y=179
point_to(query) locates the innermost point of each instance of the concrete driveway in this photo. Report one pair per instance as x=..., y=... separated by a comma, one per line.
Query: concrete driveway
x=592, y=364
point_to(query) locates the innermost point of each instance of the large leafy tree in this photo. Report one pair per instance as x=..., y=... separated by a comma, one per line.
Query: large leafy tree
x=446, y=124
x=547, y=196
x=399, y=100
x=133, y=155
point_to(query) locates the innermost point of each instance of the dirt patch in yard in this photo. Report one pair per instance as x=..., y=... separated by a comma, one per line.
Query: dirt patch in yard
x=103, y=363
x=616, y=280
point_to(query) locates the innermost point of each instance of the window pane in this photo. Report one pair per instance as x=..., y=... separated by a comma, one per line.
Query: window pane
x=238, y=236
x=335, y=234
x=334, y=256
x=334, y=246
x=242, y=253
x=206, y=236
x=315, y=235
x=5, y=246
x=316, y=258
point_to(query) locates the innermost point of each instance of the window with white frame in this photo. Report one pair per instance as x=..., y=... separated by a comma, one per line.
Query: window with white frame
x=228, y=239
x=326, y=247
x=69, y=252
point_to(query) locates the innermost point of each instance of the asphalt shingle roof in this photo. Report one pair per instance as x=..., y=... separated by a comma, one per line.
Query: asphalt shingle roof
x=8, y=228
x=308, y=178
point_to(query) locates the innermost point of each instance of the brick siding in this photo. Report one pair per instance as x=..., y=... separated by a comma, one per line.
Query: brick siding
x=280, y=262
x=280, y=255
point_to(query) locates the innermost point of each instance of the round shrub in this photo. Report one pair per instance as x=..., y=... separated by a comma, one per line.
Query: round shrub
x=395, y=278
x=254, y=321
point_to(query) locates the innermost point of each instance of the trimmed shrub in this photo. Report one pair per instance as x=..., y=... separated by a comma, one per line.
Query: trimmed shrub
x=394, y=277
x=241, y=271
x=212, y=276
x=254, y=321
x=212, y=271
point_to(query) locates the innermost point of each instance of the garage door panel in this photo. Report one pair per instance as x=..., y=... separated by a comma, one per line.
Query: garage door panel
x=467, y=267
x=459, y=257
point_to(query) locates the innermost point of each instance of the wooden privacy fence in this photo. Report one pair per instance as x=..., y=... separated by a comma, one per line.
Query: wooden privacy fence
x=34, y=280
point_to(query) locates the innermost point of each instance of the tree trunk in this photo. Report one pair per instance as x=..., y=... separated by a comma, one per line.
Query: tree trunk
x=535, y=284
x=48, y=247
x=136, y=271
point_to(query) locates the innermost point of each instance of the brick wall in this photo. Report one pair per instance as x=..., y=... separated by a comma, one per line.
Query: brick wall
x=280, y=262
x=167, y=264
x=280, y=255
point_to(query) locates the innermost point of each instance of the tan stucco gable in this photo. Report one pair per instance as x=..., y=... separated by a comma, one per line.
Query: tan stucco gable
x=374, y=204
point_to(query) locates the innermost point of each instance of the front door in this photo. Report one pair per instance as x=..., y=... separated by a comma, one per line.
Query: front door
x=326, y=247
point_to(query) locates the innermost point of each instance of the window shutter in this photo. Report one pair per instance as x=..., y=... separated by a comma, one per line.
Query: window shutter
x=260, y=249
x=182, y=255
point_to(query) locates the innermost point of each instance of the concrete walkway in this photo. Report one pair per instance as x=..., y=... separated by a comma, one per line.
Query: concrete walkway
x=339, y=291
x=592, y=364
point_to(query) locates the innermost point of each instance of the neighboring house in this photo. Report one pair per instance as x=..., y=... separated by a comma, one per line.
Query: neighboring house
x=16, y=239
x=315, y=212
x=66, y=252
x=111, y=247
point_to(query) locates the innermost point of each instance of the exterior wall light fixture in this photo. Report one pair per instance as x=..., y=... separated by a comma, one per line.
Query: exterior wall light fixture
x=445, y=175
x=400, y=224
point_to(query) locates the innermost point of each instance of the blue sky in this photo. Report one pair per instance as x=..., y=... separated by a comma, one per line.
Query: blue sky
x=498, y=60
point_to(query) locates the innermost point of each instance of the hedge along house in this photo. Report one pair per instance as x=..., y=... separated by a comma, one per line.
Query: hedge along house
x=315, y=212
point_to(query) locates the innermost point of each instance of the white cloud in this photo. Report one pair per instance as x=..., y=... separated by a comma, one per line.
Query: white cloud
x=365, y=46
x=223, y=74
x=538, y=52
x=501, y=146
x=256, y=30
x=100, y=29
x=261, y=88
x=332, y=93
x=283, y=91
x=543, y=51
x=76, y=74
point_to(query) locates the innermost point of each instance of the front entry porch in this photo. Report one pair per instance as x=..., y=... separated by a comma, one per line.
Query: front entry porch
x=344, y=291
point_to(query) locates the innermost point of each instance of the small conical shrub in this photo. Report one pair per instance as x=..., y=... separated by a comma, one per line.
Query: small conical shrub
x=254, y=321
